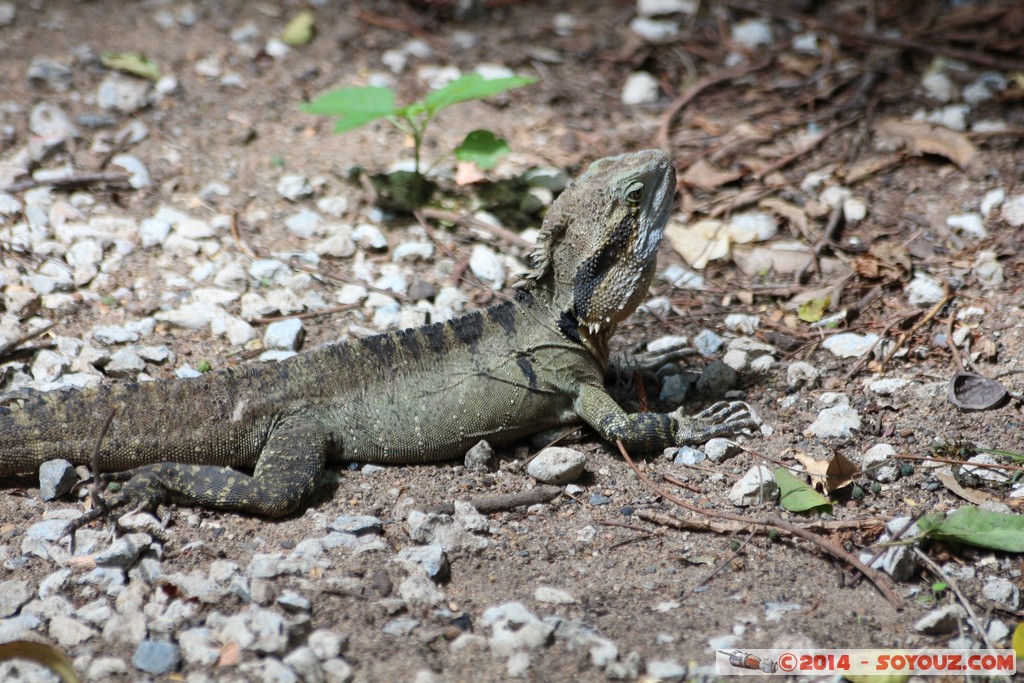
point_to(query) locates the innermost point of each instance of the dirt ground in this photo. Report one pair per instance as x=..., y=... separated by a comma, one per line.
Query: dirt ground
x=659, y=592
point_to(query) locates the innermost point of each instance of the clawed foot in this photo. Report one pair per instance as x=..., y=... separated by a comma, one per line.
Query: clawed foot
x=721, y=419
x=139, y=491
x=648, y=361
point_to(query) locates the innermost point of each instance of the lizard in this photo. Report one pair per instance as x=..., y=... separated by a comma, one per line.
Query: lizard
x=527, y=364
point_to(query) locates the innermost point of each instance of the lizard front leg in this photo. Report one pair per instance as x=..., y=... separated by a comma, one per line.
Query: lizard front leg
x=287, y=472
x=648, y=432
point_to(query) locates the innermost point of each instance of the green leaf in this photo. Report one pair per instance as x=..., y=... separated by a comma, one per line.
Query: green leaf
x=482, y=148
x=1018, y=640
x=472, y=87
x=131, y=63
x=797, y=496
x=355, y=105
x=299, y=30
x=813, y=310
x=981, y=528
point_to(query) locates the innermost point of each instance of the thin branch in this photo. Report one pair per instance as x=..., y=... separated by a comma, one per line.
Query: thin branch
x=71, y=182
x=772, y=522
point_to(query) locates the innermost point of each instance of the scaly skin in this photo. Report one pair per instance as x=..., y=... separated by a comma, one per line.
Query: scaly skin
x=418, y=395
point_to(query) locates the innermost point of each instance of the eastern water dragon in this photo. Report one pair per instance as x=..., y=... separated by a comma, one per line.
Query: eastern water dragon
x=410, y=396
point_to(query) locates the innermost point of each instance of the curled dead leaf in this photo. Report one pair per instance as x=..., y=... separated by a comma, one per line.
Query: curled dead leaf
x=926, y=138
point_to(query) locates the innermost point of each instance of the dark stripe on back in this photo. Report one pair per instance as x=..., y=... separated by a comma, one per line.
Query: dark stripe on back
x=524, y=364
x=408, y=339
x=505, y=315
x=433, y=334
x=468, y=328
x=382, y=346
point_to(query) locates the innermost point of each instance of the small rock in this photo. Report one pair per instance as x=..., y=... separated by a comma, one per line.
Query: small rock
x=970, y=224
x=304, y=223
x=557, y=465
x=992, y=200
x=685, y=455
x=284, y=334
x=138, y=174
x=48, y=366
x=514, y=629
x=743, y=324
x=654, y=30
x=838, y=421
x=941, y=620
x=13, y=594
x=56, y=75
x=294, y=187
x=1002, y=591
x=707, y=343
x=665, y=670
x=719, y=449
x=51, y=124
x=752, y=226
x=752, y=33
x=68, y=632
x=408, y=251
x=124, y=363
x=327, y=644
x=357, y=525
x=716, y=379
x=939, y=86
x=674, y=390
x=56, y=477
x=1013, y=211
x=122, y=93
x=757, y=486
x=552, y=596
x=640, y=88
x=924, y=290
x=888, y=386
x=156, y=657
x=800, y=374
x=849, y=344
x=369, y=237
x=198, y=647
x=654, y=8
x=486, y=265
x=988, y=270
x=548, y=178
x=599, y=499
x=430, y=558
x=481, y=458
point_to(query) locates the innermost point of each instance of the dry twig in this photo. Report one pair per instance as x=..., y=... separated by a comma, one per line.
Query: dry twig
x=771, y=522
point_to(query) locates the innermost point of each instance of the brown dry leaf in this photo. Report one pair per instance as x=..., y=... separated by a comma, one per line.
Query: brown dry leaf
x=926, y=138
x=705, y=177
x=791, y=212
x=865, y=168
x=979, y=498
x=891, y=254
x=803, y=65
x=831, y=475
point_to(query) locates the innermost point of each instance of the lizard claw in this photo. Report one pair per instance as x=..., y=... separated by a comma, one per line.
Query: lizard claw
x=720, y=419
x=649, y=361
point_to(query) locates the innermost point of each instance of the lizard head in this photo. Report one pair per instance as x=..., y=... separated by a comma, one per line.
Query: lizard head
x=600, y=239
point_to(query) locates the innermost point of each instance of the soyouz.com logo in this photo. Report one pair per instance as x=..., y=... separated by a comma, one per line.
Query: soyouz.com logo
x=924, y=662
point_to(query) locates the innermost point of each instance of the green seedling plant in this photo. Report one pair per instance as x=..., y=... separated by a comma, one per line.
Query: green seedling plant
x=356, y=106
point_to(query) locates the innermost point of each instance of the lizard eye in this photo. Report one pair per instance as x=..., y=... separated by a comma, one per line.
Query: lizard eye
x=635, y=193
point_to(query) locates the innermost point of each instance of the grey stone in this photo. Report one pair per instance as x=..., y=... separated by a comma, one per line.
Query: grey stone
x=514, y=628
x=304, y=662
x=56, y=477
x=685, y=455
x=941, y=620
x=13, y=594
x=707, y=343
x=123, y=551
x=666, y=670
x=430, y=558
x=304, y=223
x=106, y=668
x=284, y=334
x=124, y=363
x=327, y=644
x=56, y=75
x=553, y=596
x=719, y=449
x=717, y=379
x=1001, y=590
x=357, y=524
x=556, y=465
x=757, y=485
x=293, y=601
x=122, y=93
x=68, y=632
x=294, y=187
x=486, y=265
x=481, y=458
x=369, y=237
x=849, y=344
x=138, y=174
x=156, y=657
